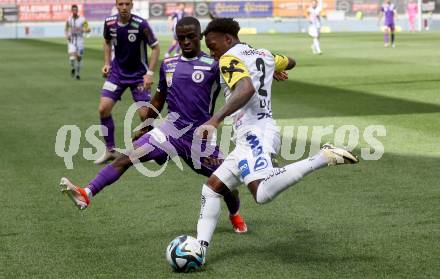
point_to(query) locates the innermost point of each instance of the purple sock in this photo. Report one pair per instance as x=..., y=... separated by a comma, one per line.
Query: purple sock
x=385, y=38
x=171, y=48
x=110, y=138
x=105, y=177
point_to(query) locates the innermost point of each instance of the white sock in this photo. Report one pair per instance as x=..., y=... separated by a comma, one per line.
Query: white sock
x=78, y=67
x=72, y=63
x=88, y=192
x=209, y=213
x=282, y=178
x=316, y=45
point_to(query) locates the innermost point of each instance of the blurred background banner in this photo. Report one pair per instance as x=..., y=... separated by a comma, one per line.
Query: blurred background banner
x=95, y=10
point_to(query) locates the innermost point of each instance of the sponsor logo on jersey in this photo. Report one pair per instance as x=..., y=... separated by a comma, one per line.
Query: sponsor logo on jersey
x=137, y=19
x=111, y=18
x=169, y=78
x=231, y=69
x=135, y=31
x=134, y=24
x=207, y=60
x=205, y=68
x=198, y=76
x=250, y=52
x=244, y=168
x=132, y=37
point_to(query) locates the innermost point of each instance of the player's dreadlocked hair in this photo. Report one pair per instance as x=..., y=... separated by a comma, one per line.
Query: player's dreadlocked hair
x=189, y=20
x=224, y=25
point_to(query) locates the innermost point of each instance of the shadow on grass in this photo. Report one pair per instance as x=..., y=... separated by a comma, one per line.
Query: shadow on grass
x=311, y=100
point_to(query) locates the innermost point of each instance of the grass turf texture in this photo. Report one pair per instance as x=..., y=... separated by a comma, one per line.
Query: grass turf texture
x=375, y=220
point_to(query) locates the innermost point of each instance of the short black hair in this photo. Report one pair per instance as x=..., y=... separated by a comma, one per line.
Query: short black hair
x=189, y=20
x=74, y=6
x=225, y=25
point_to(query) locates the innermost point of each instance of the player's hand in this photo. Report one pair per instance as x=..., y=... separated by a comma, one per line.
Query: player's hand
x=281, y=76
x=106, y=70
x=207, y=130
x=148, y=81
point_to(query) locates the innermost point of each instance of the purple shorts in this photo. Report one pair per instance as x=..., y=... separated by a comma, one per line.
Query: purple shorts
x=114, y=89
x=390, y=25
x=160, y=150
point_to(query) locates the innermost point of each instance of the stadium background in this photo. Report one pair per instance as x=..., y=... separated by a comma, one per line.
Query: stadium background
x=41, y=18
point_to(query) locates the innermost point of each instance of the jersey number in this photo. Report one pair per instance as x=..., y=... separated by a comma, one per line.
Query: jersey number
x=262, y=68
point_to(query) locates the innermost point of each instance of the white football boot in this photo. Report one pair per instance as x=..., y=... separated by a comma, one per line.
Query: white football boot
x=77, y=194
x=107, y=156
x=337, y=156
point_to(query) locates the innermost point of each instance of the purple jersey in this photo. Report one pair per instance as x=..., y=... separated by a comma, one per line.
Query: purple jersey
x=388, y=11
x=129, y=42
x=191, y=87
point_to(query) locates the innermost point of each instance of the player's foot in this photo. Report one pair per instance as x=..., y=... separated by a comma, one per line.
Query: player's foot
x=313, y=49
x=204, y=245
x=337, y=156
x=107, y=156
x=393, y=45
x=72, y=72
x=77, y=194
x=78, y=77
x=238, y=223
x=386, y=45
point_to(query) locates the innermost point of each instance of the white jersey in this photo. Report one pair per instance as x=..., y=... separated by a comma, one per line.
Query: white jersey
x=75, y=28
x=259, y=64
x=314, y=16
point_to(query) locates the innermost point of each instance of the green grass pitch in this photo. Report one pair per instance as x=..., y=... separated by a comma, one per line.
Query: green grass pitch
x=379, y=219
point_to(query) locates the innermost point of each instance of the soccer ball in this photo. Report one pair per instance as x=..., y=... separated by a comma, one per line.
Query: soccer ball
x=185, y=254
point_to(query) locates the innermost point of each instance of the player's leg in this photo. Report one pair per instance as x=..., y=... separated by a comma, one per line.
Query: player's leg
x=71, y=50
x=212, y=193
x=79, y=55
x=106, y=105
x=145, y=150
x=280, y=179
x=316, y=44
x=392, y=29
x=386, y=36
x=205, y=164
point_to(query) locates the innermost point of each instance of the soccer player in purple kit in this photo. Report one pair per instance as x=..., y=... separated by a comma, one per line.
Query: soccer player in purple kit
x=388, y=10
x=128, y=34
x=189, y=84
x=172, y=21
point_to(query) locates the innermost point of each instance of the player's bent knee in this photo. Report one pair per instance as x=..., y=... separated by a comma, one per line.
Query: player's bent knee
x=216, y=185
x=122, y=162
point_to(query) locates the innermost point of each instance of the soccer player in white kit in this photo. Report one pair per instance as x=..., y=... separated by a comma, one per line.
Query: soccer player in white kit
x=76, y=26
x=246, y=76
x=314, y=17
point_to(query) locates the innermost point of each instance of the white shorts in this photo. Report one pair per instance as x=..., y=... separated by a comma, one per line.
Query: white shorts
x=77, y=47
x=252, y=157
x=314, y=31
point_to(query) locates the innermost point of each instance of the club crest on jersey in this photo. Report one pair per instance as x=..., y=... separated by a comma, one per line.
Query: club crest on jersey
x=169, y=79
x=198, y=76
x=132, y=37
